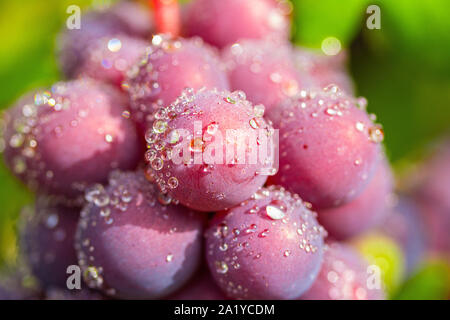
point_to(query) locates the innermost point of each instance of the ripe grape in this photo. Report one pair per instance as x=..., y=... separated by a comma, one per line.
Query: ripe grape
x=12, y=287
x=322, y=69
x=169, y=67
x=268, y=247
x=131, y=244
x=224, y=22
x=74, y=134
x=202, y=149
x=264, y=70
x=405, y=226
x=344, y=276
x=108, y=59
x=126, y=18
x=433, y=197
x=329, y=147
x=47, y=239
x=367, y=211
x=75, y=294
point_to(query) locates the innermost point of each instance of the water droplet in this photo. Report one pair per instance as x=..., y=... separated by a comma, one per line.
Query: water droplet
x=230, y=100
x=172, y=182
x=114, y=45
x=157, y=164
x=51, y=221
x=221, y=267
x=174, y=136
x=169, y=258
x=376, y=134
x=359, y=126
x=108, y=138
x=258, y=110
x=212, y=128
x=264, y=233
x=196, y=145
x=159, y=126
x=274, y=212
x=254, y=123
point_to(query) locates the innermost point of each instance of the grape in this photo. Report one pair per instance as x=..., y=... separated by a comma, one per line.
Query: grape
x=322, y=69
x=343, y=276
x=131, y=244
x=329, y=146
x=126, y=18
x=224, y=22
x=61, y=139
x=192, y=154
x=406, y=227
x=437, y=223
x=268, y=247
x=264, y=70
x=367, y=211
x=12, y=288
x=47, y=240
x=109, y=58
x=201, y=287
x=169, y=67
x=65, y=294
x=433, y=197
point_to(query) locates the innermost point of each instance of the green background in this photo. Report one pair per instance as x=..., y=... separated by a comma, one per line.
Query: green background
x=403, y=69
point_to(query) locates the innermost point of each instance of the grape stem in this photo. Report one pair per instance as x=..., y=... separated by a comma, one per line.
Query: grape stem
x=167, y=16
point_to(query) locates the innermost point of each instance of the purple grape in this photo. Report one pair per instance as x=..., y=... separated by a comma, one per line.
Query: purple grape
x=131, y=244
x=169, y=67
x=433, y=197
x=329, y=146
x=324, y=70
x=12, y=287
x=109, y=58
x=264, y=70
x=72, y=135
x=268, y=247
x=66, y=294
x=343, y=276
x=221, y=23
x=367, y=211
x=190, y=149
x=47, y=240
x=201, y=287
x=405, y=225
x=126, y=18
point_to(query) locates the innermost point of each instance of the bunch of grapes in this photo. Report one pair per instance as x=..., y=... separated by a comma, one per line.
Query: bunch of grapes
x=130, y=162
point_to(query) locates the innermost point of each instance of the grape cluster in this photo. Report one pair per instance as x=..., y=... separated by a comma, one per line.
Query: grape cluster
x=117, y=155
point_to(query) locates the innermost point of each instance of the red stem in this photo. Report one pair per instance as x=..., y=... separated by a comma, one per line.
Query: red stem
x=167, y=16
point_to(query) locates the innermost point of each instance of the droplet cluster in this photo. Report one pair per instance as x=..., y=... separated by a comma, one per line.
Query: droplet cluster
x=61, y=139
x=224, y=22
x=167, y=67
x=46, y=236
x=128, y=234
x=200, y=184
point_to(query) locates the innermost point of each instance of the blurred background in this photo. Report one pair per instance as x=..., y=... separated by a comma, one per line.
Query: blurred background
x=403, y=69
